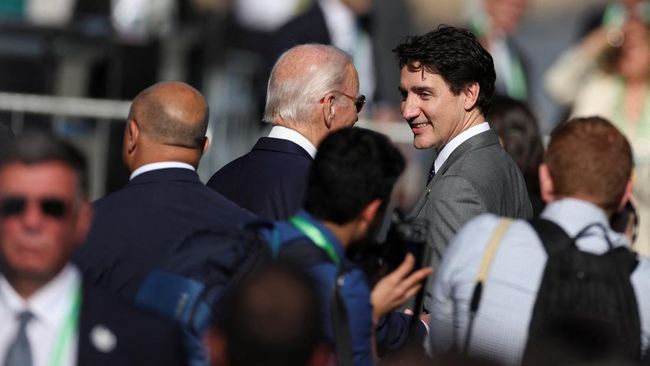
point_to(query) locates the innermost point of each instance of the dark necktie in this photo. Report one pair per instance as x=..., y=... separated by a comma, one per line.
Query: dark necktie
x=19, y=352
x=431, y=172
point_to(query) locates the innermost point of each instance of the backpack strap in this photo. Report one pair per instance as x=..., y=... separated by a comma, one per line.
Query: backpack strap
x=321, y=251
x=553, y=237
x=341, y=324
x=484, y=270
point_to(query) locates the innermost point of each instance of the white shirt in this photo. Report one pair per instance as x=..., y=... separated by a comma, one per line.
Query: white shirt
x=51, y=306
x=501, y=324
x=281, y=132
x=161, y=165
x=456, y=141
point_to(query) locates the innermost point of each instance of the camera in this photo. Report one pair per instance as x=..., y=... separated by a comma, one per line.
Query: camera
x=404, y=235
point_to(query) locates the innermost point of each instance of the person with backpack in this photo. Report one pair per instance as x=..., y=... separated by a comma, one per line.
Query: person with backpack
x=561, y=287
x=348, y=188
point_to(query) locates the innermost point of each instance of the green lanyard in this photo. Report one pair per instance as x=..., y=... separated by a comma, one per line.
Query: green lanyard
x=67, y=330
x=315, y=235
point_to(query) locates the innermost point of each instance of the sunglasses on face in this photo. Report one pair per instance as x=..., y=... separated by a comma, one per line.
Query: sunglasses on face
x=359, y=101
x=16, y=205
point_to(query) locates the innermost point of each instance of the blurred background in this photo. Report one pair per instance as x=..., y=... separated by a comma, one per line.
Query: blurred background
x=73, y=65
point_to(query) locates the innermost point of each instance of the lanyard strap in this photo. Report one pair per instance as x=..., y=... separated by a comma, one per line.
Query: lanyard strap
x=316, y=236
x=67, y=330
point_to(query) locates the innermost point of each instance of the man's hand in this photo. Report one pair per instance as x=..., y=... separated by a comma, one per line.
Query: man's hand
x=398, y=286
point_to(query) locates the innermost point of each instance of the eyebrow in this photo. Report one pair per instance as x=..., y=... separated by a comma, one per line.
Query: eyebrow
x=419, y=89
x=416, y=89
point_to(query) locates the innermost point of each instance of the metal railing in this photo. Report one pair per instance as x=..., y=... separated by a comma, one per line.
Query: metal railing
x=104, y=112
x=69, y=110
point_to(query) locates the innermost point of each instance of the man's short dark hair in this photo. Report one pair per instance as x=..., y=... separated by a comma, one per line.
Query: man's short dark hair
x=36, y=148
x=353, y=167
x=273, y=318
x=456, y=55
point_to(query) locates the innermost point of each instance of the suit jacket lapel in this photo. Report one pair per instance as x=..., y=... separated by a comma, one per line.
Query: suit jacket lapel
x=482, y=139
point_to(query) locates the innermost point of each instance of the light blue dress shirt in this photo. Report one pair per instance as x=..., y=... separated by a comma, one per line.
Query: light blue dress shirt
x=501, y=324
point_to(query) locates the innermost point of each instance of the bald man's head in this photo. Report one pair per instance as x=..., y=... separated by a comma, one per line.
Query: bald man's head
x=171, y=113
x=301, y=77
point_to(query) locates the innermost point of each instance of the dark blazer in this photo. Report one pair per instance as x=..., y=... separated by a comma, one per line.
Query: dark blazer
x=112, y=332
x=269, y=181
x=478, y=177
x=135, y=227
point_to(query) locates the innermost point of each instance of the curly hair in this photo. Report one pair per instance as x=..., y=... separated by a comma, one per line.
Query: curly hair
x=456, y=55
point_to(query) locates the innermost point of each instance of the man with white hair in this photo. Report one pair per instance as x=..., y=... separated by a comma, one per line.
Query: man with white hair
x=313, y=90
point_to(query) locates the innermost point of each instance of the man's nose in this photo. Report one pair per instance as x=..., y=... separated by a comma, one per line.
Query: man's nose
x=33, y=216
x=410, y=109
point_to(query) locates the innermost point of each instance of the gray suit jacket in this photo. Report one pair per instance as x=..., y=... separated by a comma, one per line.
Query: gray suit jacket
x=478, y=177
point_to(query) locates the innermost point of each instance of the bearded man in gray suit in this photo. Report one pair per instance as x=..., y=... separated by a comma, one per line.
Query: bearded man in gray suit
x=447, y=82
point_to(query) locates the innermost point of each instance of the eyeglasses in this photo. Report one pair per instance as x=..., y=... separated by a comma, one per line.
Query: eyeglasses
x=359, y=101
x=16, y=205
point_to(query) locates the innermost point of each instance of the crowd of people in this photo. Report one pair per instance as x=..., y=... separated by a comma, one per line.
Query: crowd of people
x=526, y=255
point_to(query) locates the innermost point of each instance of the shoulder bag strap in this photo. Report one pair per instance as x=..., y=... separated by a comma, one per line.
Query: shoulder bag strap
x=484, y=269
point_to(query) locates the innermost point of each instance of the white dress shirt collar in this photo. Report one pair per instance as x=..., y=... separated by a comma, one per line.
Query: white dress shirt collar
x=51, y=303
x=446, y=151
x=573, y=215
x=281, y=132
x=161, y=165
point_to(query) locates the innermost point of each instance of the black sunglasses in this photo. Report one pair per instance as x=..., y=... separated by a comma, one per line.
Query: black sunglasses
x=15, y=205
x=359, y=101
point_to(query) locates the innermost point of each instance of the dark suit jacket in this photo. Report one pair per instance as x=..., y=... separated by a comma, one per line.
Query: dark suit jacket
x=135, y=228
x=139, y=338
x=269, y=181
x=478, y=177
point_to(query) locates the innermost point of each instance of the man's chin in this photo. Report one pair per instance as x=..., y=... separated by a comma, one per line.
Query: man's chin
x=422, y=145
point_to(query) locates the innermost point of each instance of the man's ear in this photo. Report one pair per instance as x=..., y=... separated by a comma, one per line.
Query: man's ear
x=132, y=135
x=328, y=109
x=627, y=195
x=206, y=144
x=471, y=93
x=546, y=184
x=366, y=218
x=370, y=211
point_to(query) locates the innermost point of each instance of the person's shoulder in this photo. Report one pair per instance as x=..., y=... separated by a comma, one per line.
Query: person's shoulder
x=476, y=231
x=642, y=271
x=480, y=160
x=111, y=199
x=485, y=166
